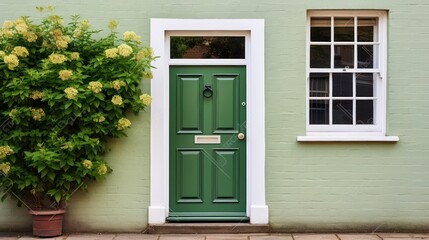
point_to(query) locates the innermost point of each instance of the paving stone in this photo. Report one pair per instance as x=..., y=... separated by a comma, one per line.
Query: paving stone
x=93, y=236
x=421, y=235
x=402, y=236
x=315, y=237
x=396, y=235
x=10, y=235
x=227, y=237
x=6, y=236
x=358, y=237
x=181, y=237
x=130, y=236
x=272, y=237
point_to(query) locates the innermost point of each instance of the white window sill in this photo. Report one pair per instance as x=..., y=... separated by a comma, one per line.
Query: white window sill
x=347, y=138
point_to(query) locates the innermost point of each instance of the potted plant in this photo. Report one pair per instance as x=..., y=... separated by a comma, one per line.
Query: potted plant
x=64, y=91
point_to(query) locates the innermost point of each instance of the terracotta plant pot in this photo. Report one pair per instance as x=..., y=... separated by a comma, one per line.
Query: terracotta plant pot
x=48, y=223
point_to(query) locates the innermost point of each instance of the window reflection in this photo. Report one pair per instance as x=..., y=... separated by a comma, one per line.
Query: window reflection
x=319, y=112
x=344, y=56
x=342, y=112
x=320, y=56
x=207, y=47
x=319, y=85
x=365, y=112
x=342, y=85
x=344, y=29
x=366, y=29
x=320, y=29
x=365, y=85
x=365, y=56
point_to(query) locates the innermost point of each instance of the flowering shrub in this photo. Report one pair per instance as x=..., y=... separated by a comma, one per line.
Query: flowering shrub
x=63, y=93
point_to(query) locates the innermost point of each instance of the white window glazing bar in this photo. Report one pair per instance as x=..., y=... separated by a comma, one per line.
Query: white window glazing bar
x=342, y=98
x=354, y=99
x=332, y=43
x=344, y=70
x=344, y=43
x=355, y=48
x=330, y=101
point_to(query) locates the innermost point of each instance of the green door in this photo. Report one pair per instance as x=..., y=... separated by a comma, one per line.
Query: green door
x=207, y=158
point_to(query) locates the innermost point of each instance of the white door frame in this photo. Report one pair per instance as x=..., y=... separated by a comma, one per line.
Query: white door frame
x=160, y=31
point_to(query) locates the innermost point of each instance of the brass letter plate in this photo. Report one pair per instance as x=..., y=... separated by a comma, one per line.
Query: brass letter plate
x=207, y=139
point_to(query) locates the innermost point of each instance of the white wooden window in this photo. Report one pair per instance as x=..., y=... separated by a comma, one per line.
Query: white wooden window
x=346, y=73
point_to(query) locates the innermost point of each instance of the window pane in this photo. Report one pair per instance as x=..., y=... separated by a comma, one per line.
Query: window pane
x=319, y=112
x=320, y=29
x=320, y=56
x=342, y=112
x=366, y=28
x=364, y=85
x=342, y=84
x=365, y=56
x=365, y=111
x=319, y=85
x=344, y=56
x=344, y=30
x=207, y=47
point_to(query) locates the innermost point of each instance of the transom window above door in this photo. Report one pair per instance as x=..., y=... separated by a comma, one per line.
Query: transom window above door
x=207, y=47
x=346, y=83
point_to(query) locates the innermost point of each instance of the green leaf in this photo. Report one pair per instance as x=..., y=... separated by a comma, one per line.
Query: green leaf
x=99, y=96
x=44, y=172
x=52, y=192
x=68, y=111
x=70, y=162
x=40, y=168
x=78, y=104
x=76, y=112
x=68, y=104
x=51, y=176
x=4, y=197
x=96, y=103
x=58, y=197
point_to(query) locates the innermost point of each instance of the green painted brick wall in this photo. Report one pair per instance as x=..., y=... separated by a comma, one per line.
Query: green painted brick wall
x=310, y=186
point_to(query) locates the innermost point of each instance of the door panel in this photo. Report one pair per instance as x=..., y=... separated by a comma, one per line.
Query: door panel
x=189, y=108
x=225, y=103
x=226, y=176
x=190, y=173
x=207, y=179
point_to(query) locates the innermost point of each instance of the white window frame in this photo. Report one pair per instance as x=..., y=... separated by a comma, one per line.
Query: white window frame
x=375, y=132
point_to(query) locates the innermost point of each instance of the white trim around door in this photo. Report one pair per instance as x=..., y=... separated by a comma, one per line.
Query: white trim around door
x=161, y=29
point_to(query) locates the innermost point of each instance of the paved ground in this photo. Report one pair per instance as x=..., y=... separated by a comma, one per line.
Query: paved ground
x=262, y=236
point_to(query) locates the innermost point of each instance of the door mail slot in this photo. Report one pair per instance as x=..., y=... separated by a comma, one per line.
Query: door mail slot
x=207, y=139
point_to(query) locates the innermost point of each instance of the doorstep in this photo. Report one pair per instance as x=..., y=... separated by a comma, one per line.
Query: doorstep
x=207, y=228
